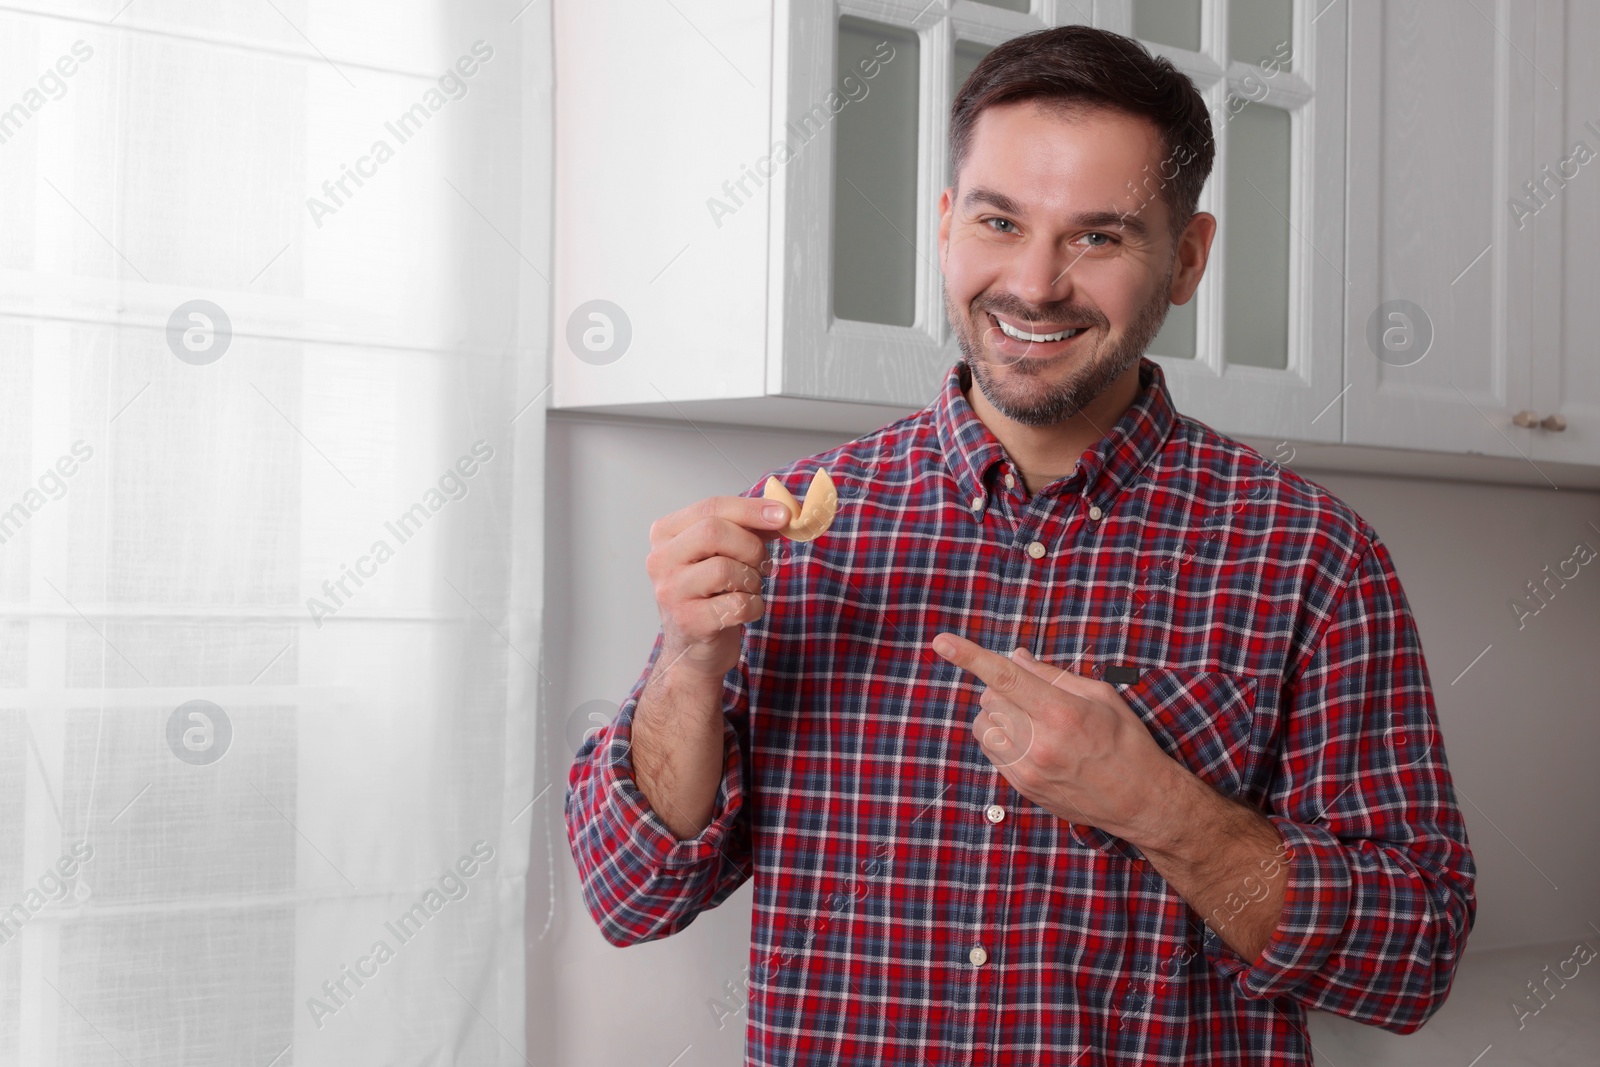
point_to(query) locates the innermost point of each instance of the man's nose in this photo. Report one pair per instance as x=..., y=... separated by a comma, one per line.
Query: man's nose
x=1043, y=274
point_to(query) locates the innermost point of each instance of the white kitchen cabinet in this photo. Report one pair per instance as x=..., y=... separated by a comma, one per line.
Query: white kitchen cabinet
x=1441, y=98
x=1474, y=213
x=1562, y=420
x=1441, y=132
x=703, y=273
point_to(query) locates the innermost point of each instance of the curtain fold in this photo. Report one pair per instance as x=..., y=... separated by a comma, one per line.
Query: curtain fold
x=273, y=321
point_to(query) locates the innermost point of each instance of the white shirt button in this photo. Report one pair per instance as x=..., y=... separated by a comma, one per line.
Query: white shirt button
x=977, y=503
x=978, y=956
x=994, y=813
x=1011, y=481
x=1095, y=512
x=1035, y=549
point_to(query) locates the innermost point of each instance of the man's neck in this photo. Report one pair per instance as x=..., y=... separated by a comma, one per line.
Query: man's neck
x=1044, y=453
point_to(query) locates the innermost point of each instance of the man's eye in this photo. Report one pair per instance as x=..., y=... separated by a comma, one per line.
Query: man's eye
x=1108, y=238
x=1006, y=222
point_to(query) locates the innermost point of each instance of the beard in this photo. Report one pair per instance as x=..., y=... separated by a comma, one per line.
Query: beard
x=1026, y=393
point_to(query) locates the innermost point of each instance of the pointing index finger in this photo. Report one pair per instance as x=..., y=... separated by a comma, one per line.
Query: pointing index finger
x=997, y=671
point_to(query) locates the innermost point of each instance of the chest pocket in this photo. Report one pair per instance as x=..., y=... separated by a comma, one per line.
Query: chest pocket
x=1203, y=719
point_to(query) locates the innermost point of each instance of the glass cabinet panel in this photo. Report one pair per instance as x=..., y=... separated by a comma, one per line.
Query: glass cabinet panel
x=1176, y=337
x=1256, y=263
x=875, y=173
x=967, y=56
x=1258, y=31
x=1173, y=22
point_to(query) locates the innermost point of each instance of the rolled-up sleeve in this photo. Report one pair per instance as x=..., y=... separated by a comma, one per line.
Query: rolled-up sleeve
x=1379, y=897
x=640, y=882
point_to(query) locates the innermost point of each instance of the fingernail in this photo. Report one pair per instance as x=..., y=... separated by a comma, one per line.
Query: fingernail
x=774, y=512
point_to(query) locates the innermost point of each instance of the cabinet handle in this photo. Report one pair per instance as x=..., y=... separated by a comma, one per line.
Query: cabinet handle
x=1531, y=418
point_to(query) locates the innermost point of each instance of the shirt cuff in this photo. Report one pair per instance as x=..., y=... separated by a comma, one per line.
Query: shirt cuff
x=1316, y=904
x=635, y=823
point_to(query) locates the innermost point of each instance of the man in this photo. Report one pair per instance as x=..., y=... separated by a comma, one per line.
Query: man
x=1215, y=794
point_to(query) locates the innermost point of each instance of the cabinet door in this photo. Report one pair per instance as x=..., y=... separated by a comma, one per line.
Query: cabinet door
x=854, y=261
x=1564, y=218
x=1439, y=322
x=660, y=204
x=1257, y=350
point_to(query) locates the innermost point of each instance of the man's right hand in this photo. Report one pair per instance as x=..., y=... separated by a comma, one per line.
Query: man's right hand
x=706, y=562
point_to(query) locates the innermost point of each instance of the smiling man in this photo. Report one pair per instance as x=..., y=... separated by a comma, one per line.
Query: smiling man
x=1057, y=275
x=1084, y=735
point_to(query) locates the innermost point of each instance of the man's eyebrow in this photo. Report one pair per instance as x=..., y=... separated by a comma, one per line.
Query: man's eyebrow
x=979, y=194
x=1101, y=220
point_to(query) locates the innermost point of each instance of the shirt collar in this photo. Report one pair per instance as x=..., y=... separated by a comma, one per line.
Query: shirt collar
x=971, y=449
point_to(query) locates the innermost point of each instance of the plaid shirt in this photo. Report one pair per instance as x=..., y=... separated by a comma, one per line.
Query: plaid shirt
x=910, y=906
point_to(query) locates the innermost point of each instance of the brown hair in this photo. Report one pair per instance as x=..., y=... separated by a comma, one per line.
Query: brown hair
x=1076, y=67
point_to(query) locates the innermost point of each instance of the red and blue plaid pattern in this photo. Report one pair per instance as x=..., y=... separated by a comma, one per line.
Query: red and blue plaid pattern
x=1270, y=649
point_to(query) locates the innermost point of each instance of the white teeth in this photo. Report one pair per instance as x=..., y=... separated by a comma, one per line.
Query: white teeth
x=1011, y=331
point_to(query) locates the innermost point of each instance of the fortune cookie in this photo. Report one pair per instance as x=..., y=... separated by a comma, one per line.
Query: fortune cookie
x=811, y=519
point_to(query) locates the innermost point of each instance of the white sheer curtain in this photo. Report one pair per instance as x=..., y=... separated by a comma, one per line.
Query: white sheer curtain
x=271, y=461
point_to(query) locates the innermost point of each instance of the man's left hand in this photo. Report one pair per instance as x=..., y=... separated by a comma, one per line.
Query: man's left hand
x=1070, y=744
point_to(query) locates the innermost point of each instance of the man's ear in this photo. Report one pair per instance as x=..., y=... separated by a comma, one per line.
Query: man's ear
x=1191, y=256
x=946, y=200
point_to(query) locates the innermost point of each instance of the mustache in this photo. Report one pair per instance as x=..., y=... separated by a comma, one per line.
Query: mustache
x=1016, y=309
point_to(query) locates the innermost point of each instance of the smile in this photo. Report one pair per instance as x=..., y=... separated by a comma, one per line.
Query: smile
x=1036, y=338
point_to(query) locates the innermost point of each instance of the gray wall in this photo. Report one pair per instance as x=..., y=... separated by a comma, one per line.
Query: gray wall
x=1520, y=729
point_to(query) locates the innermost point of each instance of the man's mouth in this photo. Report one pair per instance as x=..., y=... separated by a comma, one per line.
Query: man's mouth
x=1058, y=333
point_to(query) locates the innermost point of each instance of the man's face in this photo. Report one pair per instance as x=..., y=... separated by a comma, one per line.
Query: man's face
x=1053, y=227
